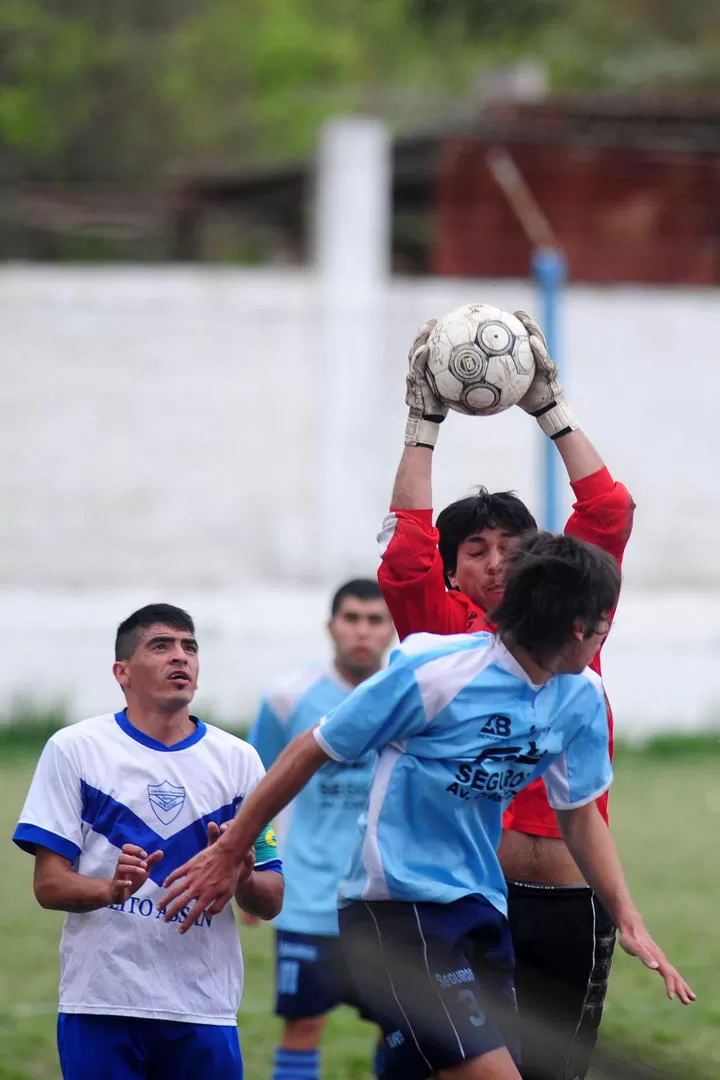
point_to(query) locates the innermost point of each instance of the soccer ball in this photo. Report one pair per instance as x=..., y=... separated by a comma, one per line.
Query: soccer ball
x=480, y=360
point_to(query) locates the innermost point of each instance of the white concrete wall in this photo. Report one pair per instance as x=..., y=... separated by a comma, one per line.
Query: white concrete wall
x=161, y=437
x=56, y=648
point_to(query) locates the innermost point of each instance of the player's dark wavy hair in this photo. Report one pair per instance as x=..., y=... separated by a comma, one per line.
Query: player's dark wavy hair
x=130, y=629
x=482, y=510
x=550, y=582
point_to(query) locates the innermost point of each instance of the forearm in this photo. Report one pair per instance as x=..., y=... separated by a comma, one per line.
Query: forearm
x=262, y=894
x=287, y=777
x=593, y=849
x=72, y=892
x=413, y=481
x=580, y=457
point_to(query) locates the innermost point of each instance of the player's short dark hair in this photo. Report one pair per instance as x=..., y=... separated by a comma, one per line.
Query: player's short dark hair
x=130, y=629
x=551, y=581
x=481, y=510
x=360, y=588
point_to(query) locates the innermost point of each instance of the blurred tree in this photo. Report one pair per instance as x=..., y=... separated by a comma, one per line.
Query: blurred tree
x=626, y=45
x=112, y=91
x=76, y=97
x=489, y=16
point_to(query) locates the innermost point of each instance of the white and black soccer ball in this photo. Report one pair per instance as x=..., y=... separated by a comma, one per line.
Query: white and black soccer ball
x=480, y=360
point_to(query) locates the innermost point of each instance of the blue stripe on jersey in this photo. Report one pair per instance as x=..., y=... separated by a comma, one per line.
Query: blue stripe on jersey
x=30, y=837
x=118, y=824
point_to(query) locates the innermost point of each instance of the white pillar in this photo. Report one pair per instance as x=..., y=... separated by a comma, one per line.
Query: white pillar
x=352, y=248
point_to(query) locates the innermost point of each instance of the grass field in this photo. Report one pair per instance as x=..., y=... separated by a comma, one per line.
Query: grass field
x=666, y=812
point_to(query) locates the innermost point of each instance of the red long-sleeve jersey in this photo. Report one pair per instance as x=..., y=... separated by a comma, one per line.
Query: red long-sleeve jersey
x=413, y=583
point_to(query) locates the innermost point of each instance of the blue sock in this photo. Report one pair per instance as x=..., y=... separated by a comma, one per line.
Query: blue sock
x=296, y=1065
x=379, y=1059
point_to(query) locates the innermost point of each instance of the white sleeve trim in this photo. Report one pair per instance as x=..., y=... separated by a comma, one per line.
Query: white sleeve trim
x=581, y=802
x=325, y=747
x=440, y=680
x=387, y=531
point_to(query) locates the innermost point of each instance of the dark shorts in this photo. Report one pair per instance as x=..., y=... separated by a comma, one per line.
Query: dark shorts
x=437, y=979
x=563, y=940
x=310, y=976
x=126, y=1048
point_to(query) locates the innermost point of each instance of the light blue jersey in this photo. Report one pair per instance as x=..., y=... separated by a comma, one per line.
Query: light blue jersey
x=460, y=730
x=318, y=830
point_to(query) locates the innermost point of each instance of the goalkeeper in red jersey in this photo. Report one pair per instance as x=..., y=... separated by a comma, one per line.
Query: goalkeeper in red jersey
x=446, y=580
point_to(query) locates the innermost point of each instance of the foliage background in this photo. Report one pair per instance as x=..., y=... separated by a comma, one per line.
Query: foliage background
x=99, y=92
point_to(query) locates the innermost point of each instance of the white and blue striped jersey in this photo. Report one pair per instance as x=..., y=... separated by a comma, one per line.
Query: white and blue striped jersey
x=460, y=730
x=102, y=783
x=318, y=829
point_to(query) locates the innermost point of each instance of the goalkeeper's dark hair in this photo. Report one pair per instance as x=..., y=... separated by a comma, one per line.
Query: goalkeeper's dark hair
x=360, y=588
x=481, y=510
x=550, y=583
x=129, y=631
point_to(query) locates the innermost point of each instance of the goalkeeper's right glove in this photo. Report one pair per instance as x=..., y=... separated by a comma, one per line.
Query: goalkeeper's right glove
x=545, y=400
x=427, y=410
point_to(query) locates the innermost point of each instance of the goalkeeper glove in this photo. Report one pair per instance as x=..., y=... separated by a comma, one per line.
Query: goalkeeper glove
x=545, y=400
x=426, y=409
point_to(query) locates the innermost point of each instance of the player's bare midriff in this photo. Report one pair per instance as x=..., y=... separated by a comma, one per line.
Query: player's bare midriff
x=539, y=860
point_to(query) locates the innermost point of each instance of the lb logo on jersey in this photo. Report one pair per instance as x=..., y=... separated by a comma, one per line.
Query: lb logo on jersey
x=166, y=800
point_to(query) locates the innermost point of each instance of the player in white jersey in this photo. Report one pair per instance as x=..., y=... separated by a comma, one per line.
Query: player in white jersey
x=116, y=801
x=319, y=827
x=461, y=723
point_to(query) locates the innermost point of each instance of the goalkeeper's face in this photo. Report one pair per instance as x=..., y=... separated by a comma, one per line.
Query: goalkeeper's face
x=480, y=569
x=361, y=631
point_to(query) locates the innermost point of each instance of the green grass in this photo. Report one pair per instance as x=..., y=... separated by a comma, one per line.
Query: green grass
x=666, y=811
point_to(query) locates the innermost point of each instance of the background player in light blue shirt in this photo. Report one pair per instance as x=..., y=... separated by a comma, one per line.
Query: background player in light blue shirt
x=319, y=827
x=461, y=724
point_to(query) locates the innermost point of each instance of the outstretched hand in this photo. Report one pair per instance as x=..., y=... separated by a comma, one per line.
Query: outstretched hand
x=207, y=881
x=248, y=863
x=637, y=942
x=131, y=872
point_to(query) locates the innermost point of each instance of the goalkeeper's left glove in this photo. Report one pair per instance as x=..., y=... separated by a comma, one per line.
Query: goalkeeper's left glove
x=545, y=400
x=426, y=410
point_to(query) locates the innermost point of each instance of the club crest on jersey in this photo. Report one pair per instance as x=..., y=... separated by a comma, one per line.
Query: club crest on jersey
x=166, y=800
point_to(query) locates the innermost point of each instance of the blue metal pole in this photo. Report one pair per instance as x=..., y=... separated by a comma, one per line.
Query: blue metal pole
x=549, y=271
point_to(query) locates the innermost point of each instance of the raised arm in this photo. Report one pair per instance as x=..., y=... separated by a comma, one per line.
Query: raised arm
x=411, y=571
x=412, y=489
x=603, y=511
x=579, y=456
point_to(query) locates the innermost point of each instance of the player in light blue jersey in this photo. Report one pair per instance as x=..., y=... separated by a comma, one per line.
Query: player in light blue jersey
x=461, y=723
x=116, y=801
x=319, y=827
